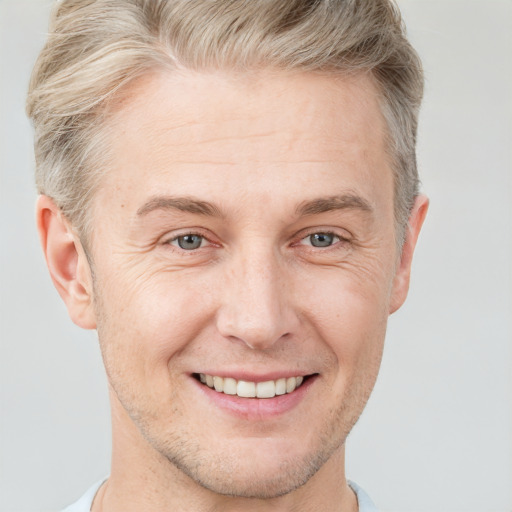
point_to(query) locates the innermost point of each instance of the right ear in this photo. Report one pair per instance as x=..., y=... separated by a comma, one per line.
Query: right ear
x=67, y=262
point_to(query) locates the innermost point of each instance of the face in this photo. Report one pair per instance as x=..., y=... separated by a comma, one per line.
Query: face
x=244, y=236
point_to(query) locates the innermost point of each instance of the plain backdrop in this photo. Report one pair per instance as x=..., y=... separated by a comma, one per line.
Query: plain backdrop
x=437, y=433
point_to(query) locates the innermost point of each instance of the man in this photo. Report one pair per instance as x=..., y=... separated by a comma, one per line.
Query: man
x=229, y=195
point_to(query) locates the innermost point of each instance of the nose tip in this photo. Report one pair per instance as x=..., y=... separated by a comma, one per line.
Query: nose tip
x=257, y=323
x=255, y=343
x=258, y=330
x=256, y=309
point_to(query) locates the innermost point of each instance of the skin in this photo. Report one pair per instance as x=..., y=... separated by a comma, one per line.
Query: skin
x=278, y=157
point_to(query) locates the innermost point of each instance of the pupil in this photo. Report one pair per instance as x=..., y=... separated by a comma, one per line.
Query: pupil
x=321, y=240
x=190, y=241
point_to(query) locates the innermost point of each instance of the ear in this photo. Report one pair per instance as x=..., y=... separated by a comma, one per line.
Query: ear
x=403, y=273
x=67, y=262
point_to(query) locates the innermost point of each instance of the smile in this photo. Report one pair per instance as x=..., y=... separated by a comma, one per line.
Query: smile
x=247, y=389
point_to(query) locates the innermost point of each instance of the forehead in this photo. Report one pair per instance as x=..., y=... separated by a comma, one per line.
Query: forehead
x=249, y=130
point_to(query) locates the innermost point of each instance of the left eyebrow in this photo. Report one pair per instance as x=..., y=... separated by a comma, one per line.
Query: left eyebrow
x=330, y=203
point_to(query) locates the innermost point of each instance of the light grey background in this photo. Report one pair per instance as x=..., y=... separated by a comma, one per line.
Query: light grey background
x=437, y=433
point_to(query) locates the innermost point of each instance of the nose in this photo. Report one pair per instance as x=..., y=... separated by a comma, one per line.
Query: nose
x=256, y=308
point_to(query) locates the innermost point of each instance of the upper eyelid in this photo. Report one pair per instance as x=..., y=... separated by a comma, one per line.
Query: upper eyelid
x=188, y=234
x=168, y=237
x=191, y=233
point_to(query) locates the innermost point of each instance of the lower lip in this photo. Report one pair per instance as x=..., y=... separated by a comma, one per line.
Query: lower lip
x=257, y=408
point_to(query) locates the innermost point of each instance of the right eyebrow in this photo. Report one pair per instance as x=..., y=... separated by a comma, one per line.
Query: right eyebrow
x=184, y=204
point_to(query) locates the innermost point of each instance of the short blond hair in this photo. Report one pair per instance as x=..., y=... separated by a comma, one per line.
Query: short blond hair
x=96, y=47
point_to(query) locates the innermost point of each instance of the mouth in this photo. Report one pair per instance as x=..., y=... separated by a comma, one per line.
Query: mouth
x=248, y=389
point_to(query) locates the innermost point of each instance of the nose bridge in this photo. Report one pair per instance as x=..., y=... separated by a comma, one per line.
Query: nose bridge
x=255, y=307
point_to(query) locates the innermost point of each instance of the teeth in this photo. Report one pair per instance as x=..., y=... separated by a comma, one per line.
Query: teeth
x=245, y=389
x=266, y=389
x=230, y=386
x=218, y=383
x=281, y=386
x=291, y=384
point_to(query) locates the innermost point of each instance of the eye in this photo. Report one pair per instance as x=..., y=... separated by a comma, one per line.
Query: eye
x=188, y=242
x=321, y=239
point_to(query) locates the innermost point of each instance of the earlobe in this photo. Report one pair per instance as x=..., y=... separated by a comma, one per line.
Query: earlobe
x=67, y=262
x=403, y=273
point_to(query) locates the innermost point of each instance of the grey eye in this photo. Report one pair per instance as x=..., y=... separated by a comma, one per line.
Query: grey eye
x=322, y=239
x=189, y=242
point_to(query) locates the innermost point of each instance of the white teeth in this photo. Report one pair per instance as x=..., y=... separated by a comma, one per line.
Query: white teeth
x=218, y=383
x=266, y=389
x=230, y=386
x=246, y=389
x=281, y=386
x=291, y=384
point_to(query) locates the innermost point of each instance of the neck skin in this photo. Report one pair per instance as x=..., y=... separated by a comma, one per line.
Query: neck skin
x=142, y=479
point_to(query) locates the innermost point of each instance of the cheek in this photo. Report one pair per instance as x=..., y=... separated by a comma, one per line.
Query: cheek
x=349, y=314
x=145, y=320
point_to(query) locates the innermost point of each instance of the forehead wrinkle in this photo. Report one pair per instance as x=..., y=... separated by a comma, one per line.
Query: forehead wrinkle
x=235, y=137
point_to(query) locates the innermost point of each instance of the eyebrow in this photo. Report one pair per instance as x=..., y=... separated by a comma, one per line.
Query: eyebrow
x=313, y=207
x=184, y=204
x=339, y=202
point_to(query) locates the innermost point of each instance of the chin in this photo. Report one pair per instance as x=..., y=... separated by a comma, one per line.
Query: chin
x=260, y=472
x=248, y=482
